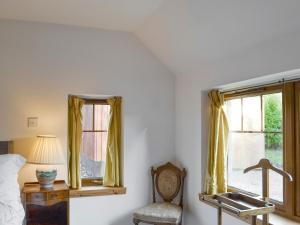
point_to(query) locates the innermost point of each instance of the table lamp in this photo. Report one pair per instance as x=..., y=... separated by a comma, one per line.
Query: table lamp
x=46, y=151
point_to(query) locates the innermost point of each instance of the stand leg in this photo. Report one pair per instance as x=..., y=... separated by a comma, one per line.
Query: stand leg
x=266, y=183
x=253, y=222
x=265, y=219
x=219, y=216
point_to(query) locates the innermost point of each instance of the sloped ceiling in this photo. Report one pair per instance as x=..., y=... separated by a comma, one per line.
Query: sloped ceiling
x=186, y=35
x=189, y=35
x=124, y=15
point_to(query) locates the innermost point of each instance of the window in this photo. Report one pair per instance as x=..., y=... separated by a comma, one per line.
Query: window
x=95, y=116
x=255, y=132
x=265, y=123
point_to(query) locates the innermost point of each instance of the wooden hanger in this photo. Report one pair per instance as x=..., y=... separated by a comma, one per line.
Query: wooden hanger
x=266, y=164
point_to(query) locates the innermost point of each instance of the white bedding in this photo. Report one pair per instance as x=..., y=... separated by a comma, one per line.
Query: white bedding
x=11, y=209
x=11, y=215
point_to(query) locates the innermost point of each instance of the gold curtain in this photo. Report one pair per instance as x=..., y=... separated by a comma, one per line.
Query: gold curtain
x=74, y=139
x=216, y=175
x=113, y=173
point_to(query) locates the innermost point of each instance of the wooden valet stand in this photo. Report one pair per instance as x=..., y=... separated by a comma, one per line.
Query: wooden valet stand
x=266, y=165
x=238, y=204
x=243, y=205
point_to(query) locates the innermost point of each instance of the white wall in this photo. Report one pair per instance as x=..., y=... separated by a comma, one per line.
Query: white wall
x=276, y=55
x=40, y=64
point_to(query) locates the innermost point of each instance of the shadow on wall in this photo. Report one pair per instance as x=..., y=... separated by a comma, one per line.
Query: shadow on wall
x=128, y=218
x=204, y=132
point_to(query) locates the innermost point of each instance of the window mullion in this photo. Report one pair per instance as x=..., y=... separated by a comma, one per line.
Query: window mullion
x=261, y=114
x=93, y=117
x=242, y=115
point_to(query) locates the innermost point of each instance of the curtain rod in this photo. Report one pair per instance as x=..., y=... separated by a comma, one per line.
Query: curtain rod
x=252, y=87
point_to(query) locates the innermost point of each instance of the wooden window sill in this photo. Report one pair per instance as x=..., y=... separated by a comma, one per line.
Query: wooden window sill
x=280, y=220
x=276, y=219
x=96, y=191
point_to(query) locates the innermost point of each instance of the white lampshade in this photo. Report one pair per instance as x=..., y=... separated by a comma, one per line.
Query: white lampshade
x=46, y=150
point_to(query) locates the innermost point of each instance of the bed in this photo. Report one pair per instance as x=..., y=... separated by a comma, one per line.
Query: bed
x=11, y=209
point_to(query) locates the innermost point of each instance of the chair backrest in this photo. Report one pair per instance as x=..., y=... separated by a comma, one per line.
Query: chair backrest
x=168, y=181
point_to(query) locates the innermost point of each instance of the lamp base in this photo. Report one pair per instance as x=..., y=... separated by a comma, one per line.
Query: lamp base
x=46, y=178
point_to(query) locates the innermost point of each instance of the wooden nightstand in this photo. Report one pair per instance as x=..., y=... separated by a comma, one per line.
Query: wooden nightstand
x=46, y=206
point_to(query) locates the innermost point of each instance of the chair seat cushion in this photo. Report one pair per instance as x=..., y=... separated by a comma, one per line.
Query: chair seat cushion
x=159, y=213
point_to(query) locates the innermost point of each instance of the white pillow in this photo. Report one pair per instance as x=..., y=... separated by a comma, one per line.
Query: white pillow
x=12, y=212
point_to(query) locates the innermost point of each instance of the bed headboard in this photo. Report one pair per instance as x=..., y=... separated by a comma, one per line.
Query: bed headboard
x=5, y=147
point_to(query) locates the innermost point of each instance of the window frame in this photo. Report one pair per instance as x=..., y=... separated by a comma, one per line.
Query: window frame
x=97, y=181
x=287, y=207
x=297, y=149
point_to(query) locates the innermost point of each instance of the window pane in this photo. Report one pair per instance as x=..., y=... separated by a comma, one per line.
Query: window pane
x=273, y=112
x=252, y=113
x=274, y=149
x=93, y=154
x=276, y=186
x=274, y=152
x=101, y=117
x=273, y=141
x=244, y=150
x=87, y=117
x=233, y=110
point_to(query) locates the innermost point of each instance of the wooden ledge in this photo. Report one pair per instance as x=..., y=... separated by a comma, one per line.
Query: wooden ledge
x=96, y=191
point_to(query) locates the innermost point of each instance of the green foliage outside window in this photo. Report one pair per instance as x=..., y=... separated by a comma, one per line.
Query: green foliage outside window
x=273, y=120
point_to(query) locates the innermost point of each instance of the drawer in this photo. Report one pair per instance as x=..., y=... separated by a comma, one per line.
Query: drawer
x=36, y=197
x=57, y=195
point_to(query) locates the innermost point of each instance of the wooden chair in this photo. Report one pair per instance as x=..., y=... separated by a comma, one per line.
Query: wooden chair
x=168, y=182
